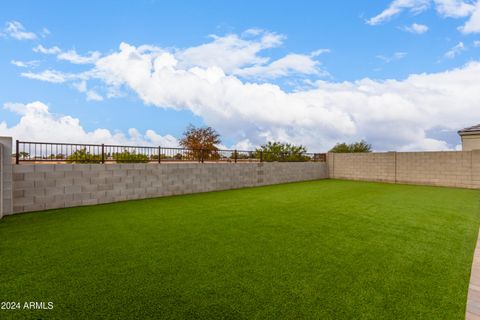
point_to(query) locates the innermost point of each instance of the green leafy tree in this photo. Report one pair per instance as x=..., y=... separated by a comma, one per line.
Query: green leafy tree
x=277, y=151
x=201, y=142
x=178, y=156
x=83, y=156
x=361, y=146
x=24, y=155
x=162, y=157
x=242, y=155
x=127, y=156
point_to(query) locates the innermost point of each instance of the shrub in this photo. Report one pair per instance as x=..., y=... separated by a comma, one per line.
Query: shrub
x=277, y=151
x=82, y=156
x=361, y=146
x=127, y=156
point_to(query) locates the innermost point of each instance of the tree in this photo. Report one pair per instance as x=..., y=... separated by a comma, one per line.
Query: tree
x=361, y=146
x=201, y=142
x=24, y=155
x=277, y=151
x=83, y=156
x=130, y=157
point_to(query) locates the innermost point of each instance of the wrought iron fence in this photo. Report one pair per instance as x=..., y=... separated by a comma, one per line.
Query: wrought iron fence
x=40, y=152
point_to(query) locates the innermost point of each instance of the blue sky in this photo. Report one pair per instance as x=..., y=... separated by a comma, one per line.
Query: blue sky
x=316, y=97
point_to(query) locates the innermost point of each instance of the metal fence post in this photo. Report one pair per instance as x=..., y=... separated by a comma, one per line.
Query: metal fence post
x=159, y=154
x=261, y=156
x=17, y=152
x=235, y=155
x=103, y=153
x=201, y=155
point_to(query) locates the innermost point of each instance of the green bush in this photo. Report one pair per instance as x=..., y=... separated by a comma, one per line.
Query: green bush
x=277, y=151
x=127, y=156
x=82, y=156
x=361, y=146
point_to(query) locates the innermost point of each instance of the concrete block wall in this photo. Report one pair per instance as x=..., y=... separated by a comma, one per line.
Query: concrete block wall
x=450, y=169
x=48, y=186
x=1, y=181
x=32, y=187
x=362, y=166
x=453, y=169
x=6, y=182
x=475, y=168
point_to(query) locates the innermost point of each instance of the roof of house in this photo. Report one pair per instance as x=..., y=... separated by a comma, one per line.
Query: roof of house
x=470, y=130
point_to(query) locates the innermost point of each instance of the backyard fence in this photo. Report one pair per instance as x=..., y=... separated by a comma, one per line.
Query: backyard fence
x=40, y=152
x=33, y=187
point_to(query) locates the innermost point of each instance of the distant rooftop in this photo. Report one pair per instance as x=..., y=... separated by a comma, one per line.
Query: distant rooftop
x=470, y=130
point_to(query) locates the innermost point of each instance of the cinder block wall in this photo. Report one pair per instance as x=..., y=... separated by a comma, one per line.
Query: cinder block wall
x=362, y=166
x=6, y=183
x=1, y=181
x=48, y=186
x=451, y=169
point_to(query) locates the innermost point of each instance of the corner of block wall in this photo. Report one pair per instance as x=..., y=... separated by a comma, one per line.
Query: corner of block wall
x=6, y=183
x=1, y=181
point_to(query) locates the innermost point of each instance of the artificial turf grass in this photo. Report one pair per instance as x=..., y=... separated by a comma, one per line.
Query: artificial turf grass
x=322, y=250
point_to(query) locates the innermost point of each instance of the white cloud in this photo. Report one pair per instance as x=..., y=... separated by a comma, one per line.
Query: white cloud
x=318, y=117
x=319, y=52
x=290, y=64
x=25, y=64
x=42, y=49
x=80, y=86
x=416, y=28
x=426, y=144
x=445, y=8
x=239, y=55
x=396, y=7
x=55, y=76
x=473, y=24
x=73, y=57
x=396, y=56
x=455, y=51
x=454, y=8
x=17, y=31
x=39, y=124
x=48, y=76
x=389, y=114
x=93, y=96
x=230, y=52
x=476, y=43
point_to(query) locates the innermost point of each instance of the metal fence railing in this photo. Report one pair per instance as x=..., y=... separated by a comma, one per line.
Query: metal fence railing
x=39, y=152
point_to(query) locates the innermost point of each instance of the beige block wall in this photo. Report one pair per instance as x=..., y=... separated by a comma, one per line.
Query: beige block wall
x=362, y=166
x=470, y=142
x=6, y=183
x=48, y=186
x=1, y=181
x=451, y=169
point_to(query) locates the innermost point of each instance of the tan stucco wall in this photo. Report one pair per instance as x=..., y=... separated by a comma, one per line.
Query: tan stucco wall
x=470, y=142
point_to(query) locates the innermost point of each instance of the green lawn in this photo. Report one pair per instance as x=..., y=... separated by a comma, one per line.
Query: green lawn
x=315, y=250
